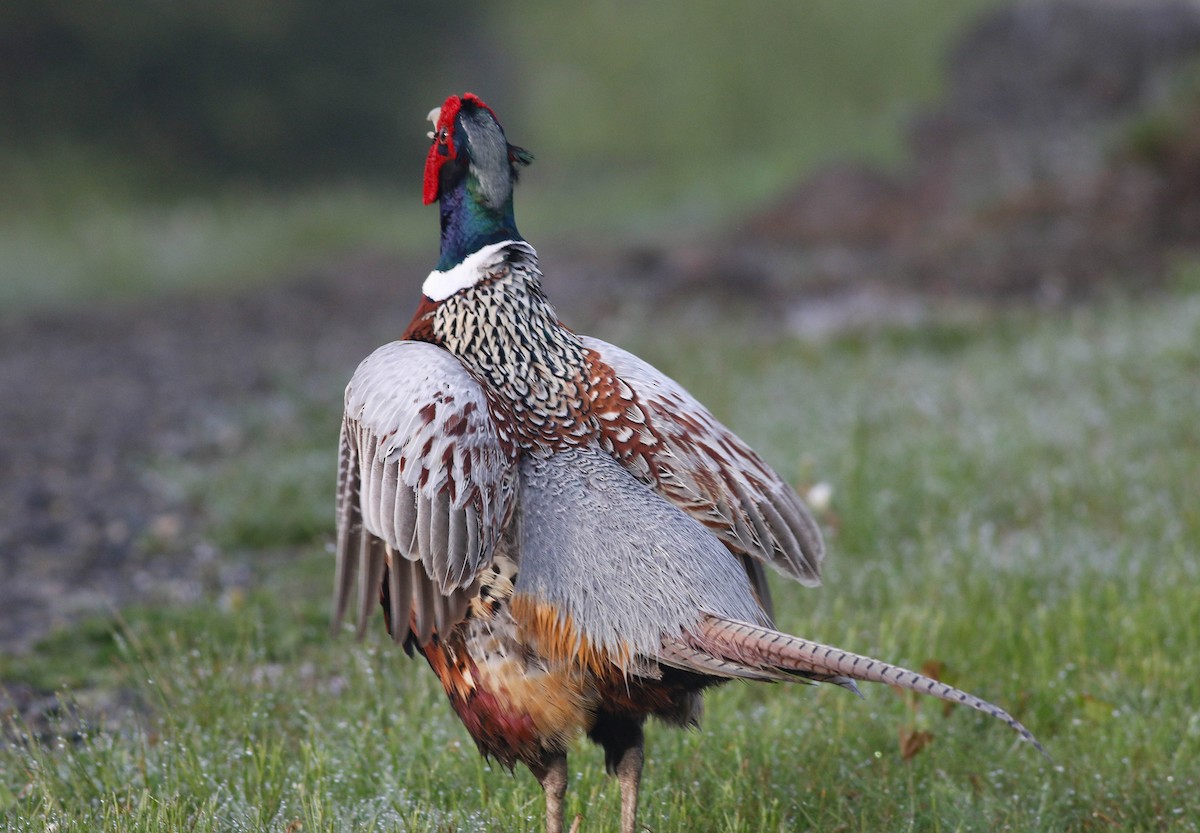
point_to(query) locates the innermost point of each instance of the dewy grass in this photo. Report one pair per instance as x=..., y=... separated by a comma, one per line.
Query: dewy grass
x=1013, y=507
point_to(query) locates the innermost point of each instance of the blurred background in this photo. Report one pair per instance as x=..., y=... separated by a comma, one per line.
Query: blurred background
x=210, y=204
x=937, y=255
x=149, y=146
x=206, y=204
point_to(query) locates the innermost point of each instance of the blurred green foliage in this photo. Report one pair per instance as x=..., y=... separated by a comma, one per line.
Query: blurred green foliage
x=204, y=143
x=277, y=89
x=298, y=90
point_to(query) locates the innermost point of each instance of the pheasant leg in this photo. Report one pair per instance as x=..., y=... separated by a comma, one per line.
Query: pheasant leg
x=629, y=776
x=551, y=773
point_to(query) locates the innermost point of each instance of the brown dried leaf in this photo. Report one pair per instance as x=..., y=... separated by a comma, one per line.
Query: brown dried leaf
x=933, y=668
x=912, y=742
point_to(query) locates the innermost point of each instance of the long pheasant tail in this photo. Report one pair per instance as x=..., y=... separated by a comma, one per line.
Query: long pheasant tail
x=759, y=646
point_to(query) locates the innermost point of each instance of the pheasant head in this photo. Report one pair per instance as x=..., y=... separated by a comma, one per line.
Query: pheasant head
x=471, y=170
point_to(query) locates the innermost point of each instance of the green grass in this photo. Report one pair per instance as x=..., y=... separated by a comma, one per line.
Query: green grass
x=1015, y=500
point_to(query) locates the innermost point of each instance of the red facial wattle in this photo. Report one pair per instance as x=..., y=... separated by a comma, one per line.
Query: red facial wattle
x=443, y=150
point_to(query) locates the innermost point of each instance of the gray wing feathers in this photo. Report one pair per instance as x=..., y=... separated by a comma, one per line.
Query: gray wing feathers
x=439, y=540
x=706, y=470
x=371, y=563
x=456, y=543
x=425, y=603
x=627, y=566
x=425, y=484
x=400, y=592
x=758, y=583
x=404, y=519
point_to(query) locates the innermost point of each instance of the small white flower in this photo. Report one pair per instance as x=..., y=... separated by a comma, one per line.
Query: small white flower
x=819, y=496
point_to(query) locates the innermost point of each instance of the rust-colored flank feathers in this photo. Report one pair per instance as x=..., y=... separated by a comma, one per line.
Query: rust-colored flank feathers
x=552, y=634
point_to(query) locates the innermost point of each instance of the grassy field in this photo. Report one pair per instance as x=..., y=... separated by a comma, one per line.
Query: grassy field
x=1013, y=498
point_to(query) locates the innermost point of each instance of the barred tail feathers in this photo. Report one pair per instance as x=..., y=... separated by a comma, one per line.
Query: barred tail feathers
x=757, y=646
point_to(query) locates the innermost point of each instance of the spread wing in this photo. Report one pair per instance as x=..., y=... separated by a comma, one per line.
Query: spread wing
x=663, y=435
x=426, y=483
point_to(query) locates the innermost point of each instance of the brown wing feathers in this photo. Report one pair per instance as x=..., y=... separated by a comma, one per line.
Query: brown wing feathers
x=424, y=487
x=700, y=465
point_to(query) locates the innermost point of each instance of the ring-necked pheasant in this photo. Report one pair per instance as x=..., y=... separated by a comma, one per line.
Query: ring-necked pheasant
x=570, y=539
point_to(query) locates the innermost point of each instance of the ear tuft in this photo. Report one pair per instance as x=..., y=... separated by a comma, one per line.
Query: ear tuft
x=519, y=156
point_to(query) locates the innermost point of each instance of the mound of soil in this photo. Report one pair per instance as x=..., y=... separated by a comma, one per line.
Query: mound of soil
x=1062, y=159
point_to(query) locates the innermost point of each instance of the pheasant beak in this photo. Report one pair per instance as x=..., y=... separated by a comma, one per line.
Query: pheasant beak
x=434, y=115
